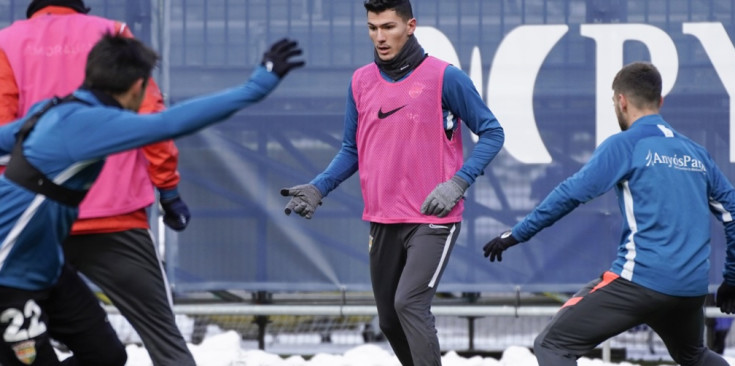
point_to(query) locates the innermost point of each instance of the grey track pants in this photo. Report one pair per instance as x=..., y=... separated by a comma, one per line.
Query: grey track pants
x=125, y=265
x=406, y=264
x=611, y=305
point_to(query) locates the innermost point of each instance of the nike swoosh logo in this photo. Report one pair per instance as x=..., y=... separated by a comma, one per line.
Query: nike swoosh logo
x=382, y=114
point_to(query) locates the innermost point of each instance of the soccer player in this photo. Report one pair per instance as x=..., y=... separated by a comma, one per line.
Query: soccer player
x=402, y=130
x=666, y=186
x=110, y=243
x=57, y=152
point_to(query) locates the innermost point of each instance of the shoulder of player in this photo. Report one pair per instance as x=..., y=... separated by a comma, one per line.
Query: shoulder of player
x=454, y=77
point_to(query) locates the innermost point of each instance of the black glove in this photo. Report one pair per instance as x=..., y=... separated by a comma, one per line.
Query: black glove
x=276, y=59
x=725, y=299
x=304, y=199
x=494, y=248
x=175, y=213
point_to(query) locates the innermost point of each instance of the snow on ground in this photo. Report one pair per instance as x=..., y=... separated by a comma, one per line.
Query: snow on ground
x=225, y=350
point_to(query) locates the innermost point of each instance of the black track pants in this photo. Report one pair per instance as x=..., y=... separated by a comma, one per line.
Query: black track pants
x=125, y=265
x=406, y=264
x=611, y=305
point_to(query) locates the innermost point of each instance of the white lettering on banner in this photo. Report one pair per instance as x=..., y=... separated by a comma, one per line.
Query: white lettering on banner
x=721, y=52
x=510, y=87
x=609, y=39
x=521, y=54
x=517, y=62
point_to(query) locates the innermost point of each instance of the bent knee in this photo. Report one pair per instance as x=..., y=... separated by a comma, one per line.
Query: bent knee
x=704, y=356
x=546, y=354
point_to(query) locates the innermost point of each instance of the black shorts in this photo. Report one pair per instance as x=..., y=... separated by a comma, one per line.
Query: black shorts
x=67, y=312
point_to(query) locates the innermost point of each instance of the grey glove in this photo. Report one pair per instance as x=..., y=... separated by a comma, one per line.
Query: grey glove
x=304, y=199
x=443, y=198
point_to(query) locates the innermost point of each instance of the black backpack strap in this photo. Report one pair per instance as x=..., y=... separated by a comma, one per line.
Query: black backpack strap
x=21, y=172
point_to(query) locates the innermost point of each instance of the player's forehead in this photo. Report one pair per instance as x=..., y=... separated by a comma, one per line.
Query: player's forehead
x=385, y=17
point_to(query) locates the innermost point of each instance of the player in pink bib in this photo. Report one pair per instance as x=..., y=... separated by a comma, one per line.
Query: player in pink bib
x=402, y=132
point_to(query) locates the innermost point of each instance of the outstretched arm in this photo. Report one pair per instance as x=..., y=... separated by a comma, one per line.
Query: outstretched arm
x=305, y=198
x=608, y=165
x=90, y=139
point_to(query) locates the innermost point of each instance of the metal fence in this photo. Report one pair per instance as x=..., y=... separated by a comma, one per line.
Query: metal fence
x=468, y=329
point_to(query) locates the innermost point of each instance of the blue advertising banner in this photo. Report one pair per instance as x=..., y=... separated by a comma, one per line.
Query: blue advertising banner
x=544, y=68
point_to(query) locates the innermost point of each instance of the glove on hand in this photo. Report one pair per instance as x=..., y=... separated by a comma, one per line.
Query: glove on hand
x=276, y=59
x=304, y=199
x=175, y=213
x=494, y=248
x=725, y=298
x=443, y=198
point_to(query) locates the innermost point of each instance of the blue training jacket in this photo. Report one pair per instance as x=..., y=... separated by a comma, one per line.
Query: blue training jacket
x=68, y=145
x=666, y=186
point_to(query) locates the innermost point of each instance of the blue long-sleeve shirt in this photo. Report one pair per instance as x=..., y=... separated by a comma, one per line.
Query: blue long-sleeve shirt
x=460, y=101
x=68, y=145
x=666, y=186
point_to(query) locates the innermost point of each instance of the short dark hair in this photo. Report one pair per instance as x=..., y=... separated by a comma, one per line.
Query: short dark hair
x=402, y=7
x=116, y=62
x=640, y=82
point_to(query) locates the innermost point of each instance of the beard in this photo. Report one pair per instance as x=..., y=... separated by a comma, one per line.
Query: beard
x=621, y=120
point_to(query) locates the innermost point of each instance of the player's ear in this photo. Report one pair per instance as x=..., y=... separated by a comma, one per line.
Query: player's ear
x=139, y=85
x=411, y=26
x=133, y=97
x=138, y=88
x=623, y=102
